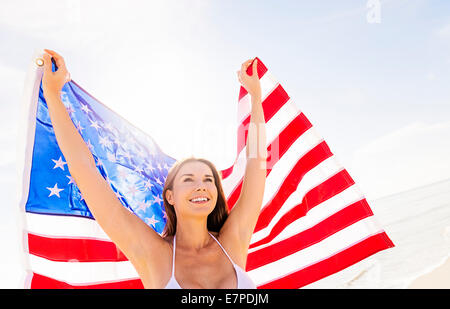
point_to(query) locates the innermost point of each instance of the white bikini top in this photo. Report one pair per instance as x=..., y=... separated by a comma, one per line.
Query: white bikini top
x=243, y=279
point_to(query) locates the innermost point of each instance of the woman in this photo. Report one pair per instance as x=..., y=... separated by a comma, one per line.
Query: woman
x=203, y=246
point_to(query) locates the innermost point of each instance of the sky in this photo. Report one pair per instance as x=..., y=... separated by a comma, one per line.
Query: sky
x=371, y=76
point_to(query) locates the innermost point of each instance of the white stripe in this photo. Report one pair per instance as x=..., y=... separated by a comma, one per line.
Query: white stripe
x=316, y=215
x=282, y=118
x=230, y=183
x=328, y=247
x=83, y=273
x=64, y=226
x=286, y=163
x=268, y=84
x=316, y=176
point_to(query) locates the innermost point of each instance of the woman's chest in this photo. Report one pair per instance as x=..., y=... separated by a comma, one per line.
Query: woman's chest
x=205, y=272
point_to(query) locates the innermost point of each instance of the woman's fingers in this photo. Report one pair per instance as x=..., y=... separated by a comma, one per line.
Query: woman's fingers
x=245, y=65
x=47, y=64
x=58, y=59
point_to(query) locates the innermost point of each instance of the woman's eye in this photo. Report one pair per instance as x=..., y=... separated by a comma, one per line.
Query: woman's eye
x=208, y=179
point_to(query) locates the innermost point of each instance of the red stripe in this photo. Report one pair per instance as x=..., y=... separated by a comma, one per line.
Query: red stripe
x=277, y=149
x=74, y=249
x=333, y=264
x=336, y=222
x=310, y=160
x=271, y=105
x=226, y=172
x=42, y=282
x=326, y=190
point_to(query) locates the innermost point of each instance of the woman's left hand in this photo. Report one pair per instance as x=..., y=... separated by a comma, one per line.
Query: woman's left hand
x=250, y=83
x=52, y=82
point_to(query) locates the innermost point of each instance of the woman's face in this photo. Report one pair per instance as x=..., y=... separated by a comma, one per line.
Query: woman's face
x=194, y=180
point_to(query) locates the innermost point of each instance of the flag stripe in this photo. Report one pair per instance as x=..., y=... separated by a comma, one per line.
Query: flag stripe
x=40, y=245
x=271, y=104
x=277, y=149
x=289, y=184
x=43, y=282
x=310, y=255
x=322, y=192
x=323, y=229
x=91, y=250
x=74, y=250
x=64, y=226
x=315, y=215
x=333, y=264
x=274, y=127
x=83, y=273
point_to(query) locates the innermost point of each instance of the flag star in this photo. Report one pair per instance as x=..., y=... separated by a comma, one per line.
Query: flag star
x=164, y=215
x=70, y=109
x=95, y=124
x=142, y=205
x=55, y=190
x=85, y=108
x=159, y=167
x=119, y=196
x=79, y=127
x=99, y=162
x=138, y=169
x=148, y=185
x=151, y=221
x=90, y=145
x=71, y=179
x=166, y=166
x=159, y=181
x=104, y=141
x=109, y=126
x=60, y=163
x=150, y=167
x=157, y=199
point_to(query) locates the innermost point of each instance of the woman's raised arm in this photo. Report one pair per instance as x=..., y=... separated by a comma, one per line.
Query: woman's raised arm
x=140, y=243
x=244, y=215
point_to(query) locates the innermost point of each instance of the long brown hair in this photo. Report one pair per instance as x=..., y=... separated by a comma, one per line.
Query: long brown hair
x=216, y=218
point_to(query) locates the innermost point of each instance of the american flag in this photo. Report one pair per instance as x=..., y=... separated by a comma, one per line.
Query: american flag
x=313, y=222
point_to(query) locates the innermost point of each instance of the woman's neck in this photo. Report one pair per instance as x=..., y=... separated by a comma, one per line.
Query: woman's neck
x=192, y=234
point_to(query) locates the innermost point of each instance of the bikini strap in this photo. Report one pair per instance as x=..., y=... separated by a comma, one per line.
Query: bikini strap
x=222, y=248
x=173, y=256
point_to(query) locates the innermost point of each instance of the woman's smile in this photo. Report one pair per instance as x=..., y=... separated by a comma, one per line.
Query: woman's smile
x=199, y=200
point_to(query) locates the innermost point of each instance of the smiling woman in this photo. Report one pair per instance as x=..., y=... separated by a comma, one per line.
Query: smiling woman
x=214, y=196
x=212, y=243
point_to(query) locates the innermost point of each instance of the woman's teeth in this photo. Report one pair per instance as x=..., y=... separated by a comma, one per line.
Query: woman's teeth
x=199, y=200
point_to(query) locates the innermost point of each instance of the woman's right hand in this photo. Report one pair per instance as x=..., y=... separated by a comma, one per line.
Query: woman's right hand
x=52, y=82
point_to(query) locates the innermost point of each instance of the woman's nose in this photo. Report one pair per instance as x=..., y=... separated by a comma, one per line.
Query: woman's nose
x=201, y=186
